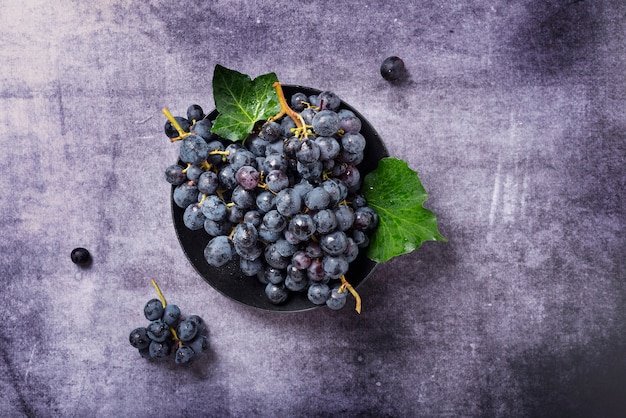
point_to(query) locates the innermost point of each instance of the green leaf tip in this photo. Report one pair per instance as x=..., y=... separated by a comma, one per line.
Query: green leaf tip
x=397, y=195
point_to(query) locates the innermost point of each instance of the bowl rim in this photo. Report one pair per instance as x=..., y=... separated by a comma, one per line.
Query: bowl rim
x=200, y=265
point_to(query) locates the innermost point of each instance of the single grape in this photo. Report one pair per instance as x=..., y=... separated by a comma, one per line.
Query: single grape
x=227, y=178
x=153, y=309
x=301, y=260
x=195, y=113
x=80, y=256
x=218, y=251
x=175, y=175
x=171, y=314
x=240, y=158
x=256, y=145
x=345, y=217
x=193, y=218
x=273, y=257
x=139, y=338
x=288, y=202
x=274, y=275
x=353, y=142
x=337, y=190
x=193, y=149
x=318, y=293
x=311, y=171
x=315, y=272
x=275, y=161
x=276, y=294
x=158, y=331
x=251, y=267
x=200, y=344
x=186, y=330
x=329, y=147
x=184, y=354
x=215, y=228
x=295, y=286
x=243, y=198
x=334, y=243
x=325, y=221
x=234, y=213
x=365, y=219
x=160, y=349
x=336, y=300
x=185, y=194
x=316, y=199
x=202, y=128
x=200, y=324
x=298, y=101
x=214, y=208
x=335, y=266
x=360, y=238
x=285, y=248
x=265, y=201
x=302, y=226
x=308, y=114
x=245, y=235
x=352, y=251
x=274, y=221
x=286, y=126
x=276, y=180
x=392, y=68
x=325, y=123
x=208, y=183
x=271, y=131
x=254, y=217
x=328, y=100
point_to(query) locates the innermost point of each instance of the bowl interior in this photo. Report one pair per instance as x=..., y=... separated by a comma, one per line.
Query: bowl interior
x=230, y=281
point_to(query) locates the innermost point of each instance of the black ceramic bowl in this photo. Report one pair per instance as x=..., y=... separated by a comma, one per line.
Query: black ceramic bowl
x=230, y=281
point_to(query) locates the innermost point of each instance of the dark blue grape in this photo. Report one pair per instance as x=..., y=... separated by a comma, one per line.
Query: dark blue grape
x=184, y=355
x=171, y=314
x=325, y=221
x=139, y=338
x=199, y=345
x=256, y=145
x=335, y=266
x=273, y=257
x=365, y=219
x=153, y=309
x=325, y=123
x=216, y=228
x=308, y=151
x=175, y=175
x=328, y=100
x=185, y=194
x=218, y=251
x=193, y=149
x=271, y=131
x=227, y=178
x=329, y=147
x=243, y=198
x=251, y=267
x=245, y=235
x=275, y=161
x=202, y=128
x=193, y=217
x=345, y=217
x=276, y=180
x=208, y=182
x=195, y=113
x=186, y=330
x=301, y=260
x=200, y=324
x=274, y=221
x=274, y=275
x=302, y=226
x=265, y=201
x=214, y=208
x=276, y=294
x=158, y=331
x=159, y=350
x=334, y=243
x=80, y=256
x=393, y=68
x=353, y=142
x=316, y=199
x=254, y=217
x=288, y=202
x=318, y=293
x=298, y=101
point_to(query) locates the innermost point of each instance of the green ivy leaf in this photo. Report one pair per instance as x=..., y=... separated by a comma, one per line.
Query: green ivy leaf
x=241, y=102
x=396, y=193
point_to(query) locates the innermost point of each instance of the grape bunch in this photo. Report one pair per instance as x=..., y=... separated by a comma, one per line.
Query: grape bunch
x=168, y=332
x=285, y=203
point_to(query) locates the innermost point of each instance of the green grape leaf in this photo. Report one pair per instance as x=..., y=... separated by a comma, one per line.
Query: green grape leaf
x=241, y=102
x=396, y=193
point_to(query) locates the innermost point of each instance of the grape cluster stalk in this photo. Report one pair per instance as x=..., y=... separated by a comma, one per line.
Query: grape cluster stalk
x=285, y=203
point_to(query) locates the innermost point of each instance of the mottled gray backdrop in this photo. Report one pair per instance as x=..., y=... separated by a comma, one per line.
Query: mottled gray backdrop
x=514, y=115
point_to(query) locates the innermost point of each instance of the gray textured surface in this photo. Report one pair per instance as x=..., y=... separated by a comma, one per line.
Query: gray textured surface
x=514, y=116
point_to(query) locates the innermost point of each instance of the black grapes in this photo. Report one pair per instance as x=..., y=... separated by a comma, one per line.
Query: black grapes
x=285, y=204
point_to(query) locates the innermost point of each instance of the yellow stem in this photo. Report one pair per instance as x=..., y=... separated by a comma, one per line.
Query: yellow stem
x=175, y=124
x=346, y=285
x=297, y=118
x=164, y=303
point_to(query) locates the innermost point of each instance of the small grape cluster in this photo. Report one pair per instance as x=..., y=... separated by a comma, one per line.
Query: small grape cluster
x=169, y=332
x=286, y=202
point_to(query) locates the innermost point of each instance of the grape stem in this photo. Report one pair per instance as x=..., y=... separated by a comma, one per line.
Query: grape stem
x=285, y=109
x=345, y=285
x=181, y=133
x=164, y=303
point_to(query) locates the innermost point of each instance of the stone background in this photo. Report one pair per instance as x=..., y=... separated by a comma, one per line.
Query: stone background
x=514, y=115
